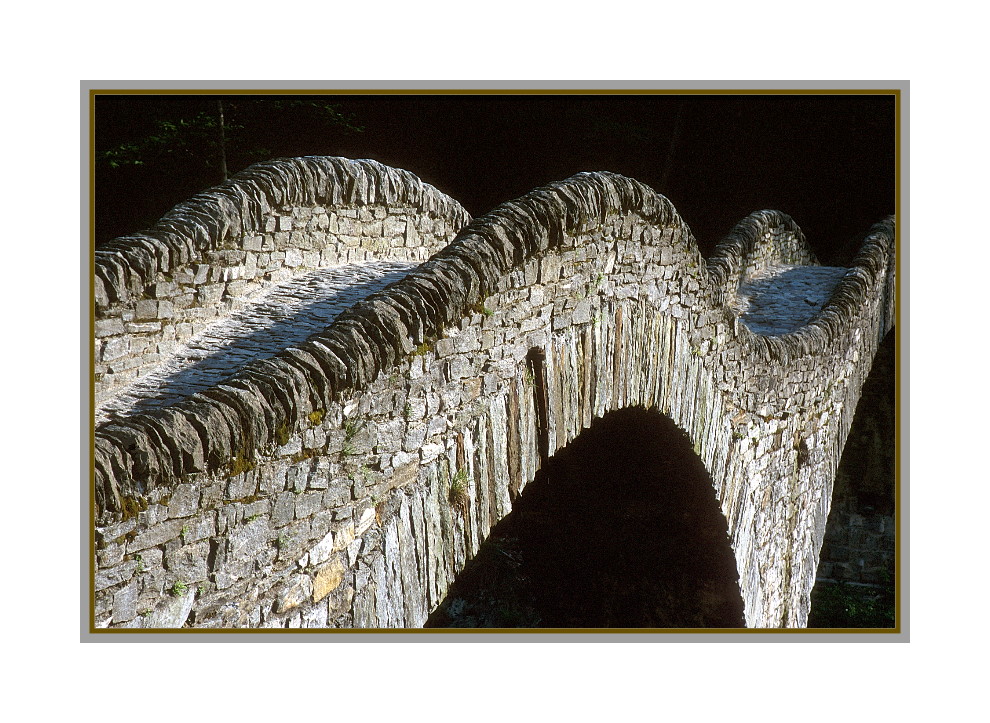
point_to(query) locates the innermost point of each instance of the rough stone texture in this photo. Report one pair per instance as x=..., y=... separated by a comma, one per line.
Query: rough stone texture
x=215, y=253
x=346, y=480
x=859, y=547
x=282, y=316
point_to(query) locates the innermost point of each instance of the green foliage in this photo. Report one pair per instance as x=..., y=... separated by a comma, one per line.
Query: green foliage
x=191, y=130
x=179, y=588
x=351, y=428
x=304, y=454
x=363, y=474
x=424, y=348
x=480, y=308
x=282, y=434
x=239, y=464
x=180, y=136
x=316, y=417
x=458, y=494
x=840, y=605
x=133, y=505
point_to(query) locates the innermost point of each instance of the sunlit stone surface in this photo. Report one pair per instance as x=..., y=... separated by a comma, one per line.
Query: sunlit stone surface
x=284, y=316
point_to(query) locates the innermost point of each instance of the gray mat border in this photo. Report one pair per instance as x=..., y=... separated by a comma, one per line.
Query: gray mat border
x=509, y=86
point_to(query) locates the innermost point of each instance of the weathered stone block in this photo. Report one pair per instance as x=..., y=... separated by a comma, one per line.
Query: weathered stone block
x=185, y=501
x=125, y=603
x=146, y=309
x=188, y=563
x=115, y=348
x=284, y=509
x=321, y=551
x=156, y=534
x=327, y=579
x=308, y=504
x=209, y=294
x=242, y=485
x=115, y=575
x=108, y=327
x=299, y=591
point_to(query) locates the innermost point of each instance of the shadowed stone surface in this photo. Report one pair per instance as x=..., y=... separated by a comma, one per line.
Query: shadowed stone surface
x=782, y=299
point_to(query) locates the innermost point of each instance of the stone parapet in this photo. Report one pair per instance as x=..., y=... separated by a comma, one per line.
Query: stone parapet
x=211, y=255
x=345, y=482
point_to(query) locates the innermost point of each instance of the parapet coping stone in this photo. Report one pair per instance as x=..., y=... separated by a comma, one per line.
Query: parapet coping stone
x=245, y=412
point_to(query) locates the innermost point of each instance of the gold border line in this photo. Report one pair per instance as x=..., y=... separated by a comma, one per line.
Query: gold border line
x=898, y=557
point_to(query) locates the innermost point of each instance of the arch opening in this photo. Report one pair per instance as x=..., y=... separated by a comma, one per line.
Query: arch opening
x=620, y=529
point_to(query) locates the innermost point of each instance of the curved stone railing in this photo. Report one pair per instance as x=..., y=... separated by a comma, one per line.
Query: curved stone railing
x=210, y=255
x=317, y=488
x=768, y=239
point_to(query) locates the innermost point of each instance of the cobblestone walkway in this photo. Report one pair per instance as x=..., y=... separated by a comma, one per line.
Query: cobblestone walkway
x=287, y=314
x=778, y=302
x=786, y=298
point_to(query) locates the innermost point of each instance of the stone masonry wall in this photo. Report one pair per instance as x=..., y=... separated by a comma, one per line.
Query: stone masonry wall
x=345, y=482
x=209, y=256
x=859, y=548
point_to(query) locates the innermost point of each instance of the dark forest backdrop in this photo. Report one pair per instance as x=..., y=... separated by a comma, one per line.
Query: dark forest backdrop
x=827, y=160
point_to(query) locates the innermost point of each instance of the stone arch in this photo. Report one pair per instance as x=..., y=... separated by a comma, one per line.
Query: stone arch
x=619, y=529
x=315, y=488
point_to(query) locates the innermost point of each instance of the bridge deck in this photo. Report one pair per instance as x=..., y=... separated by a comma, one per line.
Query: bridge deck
x=285, y=315
x=785, y=298
x=777, y=302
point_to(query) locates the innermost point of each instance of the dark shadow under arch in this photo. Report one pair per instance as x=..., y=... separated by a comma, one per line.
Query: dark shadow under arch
x=621, y=529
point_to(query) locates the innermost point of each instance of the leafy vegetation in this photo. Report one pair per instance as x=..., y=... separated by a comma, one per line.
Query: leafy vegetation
x=239, y=464
x=209, y=130
x=841, y=605
x=458, y=494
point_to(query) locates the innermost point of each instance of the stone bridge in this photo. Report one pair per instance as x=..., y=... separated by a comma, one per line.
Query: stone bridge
x=320, y=385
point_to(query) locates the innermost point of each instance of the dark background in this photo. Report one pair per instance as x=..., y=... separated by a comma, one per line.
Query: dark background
x=827, y=160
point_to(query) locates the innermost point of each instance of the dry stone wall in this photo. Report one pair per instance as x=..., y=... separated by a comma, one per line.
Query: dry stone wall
x=210, y=256
x=345, y=482
x=858, y=547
